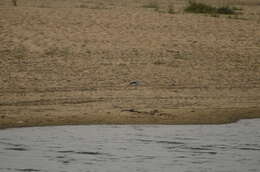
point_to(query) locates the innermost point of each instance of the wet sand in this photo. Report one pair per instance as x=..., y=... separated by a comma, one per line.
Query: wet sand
x=111, y=62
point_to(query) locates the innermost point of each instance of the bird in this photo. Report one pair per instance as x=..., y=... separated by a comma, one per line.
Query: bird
x=134, y=83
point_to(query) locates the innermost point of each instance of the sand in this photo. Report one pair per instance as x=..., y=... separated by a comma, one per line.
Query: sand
x=117, y=62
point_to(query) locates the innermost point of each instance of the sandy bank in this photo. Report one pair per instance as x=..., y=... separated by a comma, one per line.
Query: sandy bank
x=118, y=62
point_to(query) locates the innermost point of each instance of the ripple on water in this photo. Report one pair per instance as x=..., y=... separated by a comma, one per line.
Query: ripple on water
x=17, y=149
x=27, y=170
x=20, y=169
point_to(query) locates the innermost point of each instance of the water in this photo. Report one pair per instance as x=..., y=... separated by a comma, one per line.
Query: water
x=122, y=148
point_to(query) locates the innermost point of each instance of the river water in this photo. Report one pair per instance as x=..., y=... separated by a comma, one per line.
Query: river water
x=127, y=148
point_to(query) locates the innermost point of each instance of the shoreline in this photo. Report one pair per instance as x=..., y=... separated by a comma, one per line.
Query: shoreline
x=211, y=117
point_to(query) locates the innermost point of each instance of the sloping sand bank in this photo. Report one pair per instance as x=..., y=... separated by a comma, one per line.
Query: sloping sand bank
x=116, y=62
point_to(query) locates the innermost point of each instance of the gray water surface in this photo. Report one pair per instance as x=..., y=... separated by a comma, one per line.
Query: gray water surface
x=113, y=148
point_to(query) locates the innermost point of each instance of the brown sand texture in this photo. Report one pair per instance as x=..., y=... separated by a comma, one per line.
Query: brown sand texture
x=119, y=62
